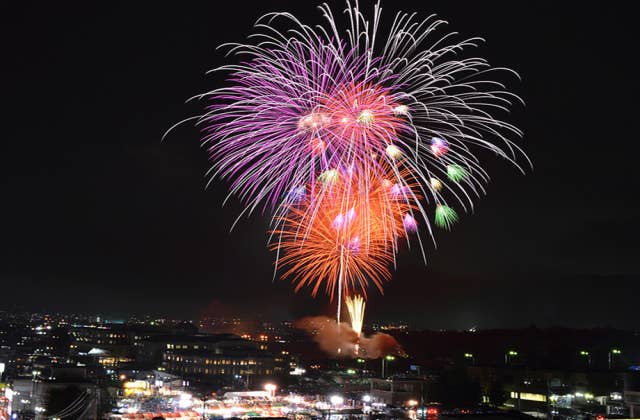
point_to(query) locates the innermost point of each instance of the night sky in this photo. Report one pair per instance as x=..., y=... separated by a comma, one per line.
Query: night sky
x=97, y=214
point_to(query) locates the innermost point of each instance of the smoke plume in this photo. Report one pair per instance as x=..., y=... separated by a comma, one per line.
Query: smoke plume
x=344, y=341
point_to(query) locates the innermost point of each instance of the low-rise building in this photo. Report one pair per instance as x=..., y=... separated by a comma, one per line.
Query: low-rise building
x=632, y=392
x=398, y=391
x=209, y=358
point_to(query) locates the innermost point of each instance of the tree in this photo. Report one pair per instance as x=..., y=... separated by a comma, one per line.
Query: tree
x=457, y=389
x=497, y=394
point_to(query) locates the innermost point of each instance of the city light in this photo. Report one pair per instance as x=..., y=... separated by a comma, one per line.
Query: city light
x=610, y=355
x=149, y=392
x=336, y=400
x=298, y=371
x=509, y=355
x=271, y=389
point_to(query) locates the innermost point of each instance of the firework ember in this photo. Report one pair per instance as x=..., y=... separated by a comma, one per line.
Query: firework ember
x=354, y=139
x=355, y=305
x=350, y=241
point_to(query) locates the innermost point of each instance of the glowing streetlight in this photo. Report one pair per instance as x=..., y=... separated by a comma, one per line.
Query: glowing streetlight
x=271, y=389
x=412, y=403
x=509, y=355
x=387, y=358
x=587, y=355
x=336, y=400
x=470, y=356
x=366, y=398
x=611, y=353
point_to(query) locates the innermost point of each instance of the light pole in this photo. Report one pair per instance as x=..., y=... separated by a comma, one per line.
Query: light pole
x=509, y=355
x=412, y=404
x=271, y=389
x=389, y=358
x=586, y=354
x=335, y=400
x=470, y=356
x=611, y=353
x=363, y=362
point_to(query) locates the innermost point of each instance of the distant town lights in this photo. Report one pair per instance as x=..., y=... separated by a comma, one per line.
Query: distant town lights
x=336, y=400
x=271, y=389
x=298, y=371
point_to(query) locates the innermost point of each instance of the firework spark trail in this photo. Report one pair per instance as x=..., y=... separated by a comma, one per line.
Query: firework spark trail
x=354, y=138
x=305, y=100
x=351, y=241
x=355, y=306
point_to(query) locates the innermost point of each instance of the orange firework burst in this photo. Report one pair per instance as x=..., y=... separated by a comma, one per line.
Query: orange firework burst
x=345, y=235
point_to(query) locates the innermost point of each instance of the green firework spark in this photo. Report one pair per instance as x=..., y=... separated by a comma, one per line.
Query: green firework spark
x=445, y=217
x=456, y=173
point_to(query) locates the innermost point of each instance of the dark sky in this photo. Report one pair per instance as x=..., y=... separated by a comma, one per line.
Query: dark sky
x=98, y=215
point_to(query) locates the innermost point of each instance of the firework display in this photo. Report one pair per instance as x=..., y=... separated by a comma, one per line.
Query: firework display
x=342, y=237
x=355, y=305
x=355, y=140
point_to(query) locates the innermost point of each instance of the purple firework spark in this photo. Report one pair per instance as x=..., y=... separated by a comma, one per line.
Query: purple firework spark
x=308, y=103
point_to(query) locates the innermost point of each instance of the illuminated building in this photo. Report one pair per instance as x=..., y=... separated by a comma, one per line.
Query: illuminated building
x=632, y=391
x=6, y=397
x=113, y=340
x=209, y=358
x=113, y=345
x=397, y=391
x=30, y=394
x=538, y=391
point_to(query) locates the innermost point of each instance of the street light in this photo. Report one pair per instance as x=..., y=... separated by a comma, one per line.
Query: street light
x=470, y=356
x=363, y=362
x=336, y=400
x=611, y=353
x=586, y=354
x=509, y=355
x=389, y=358
x=271, y=389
